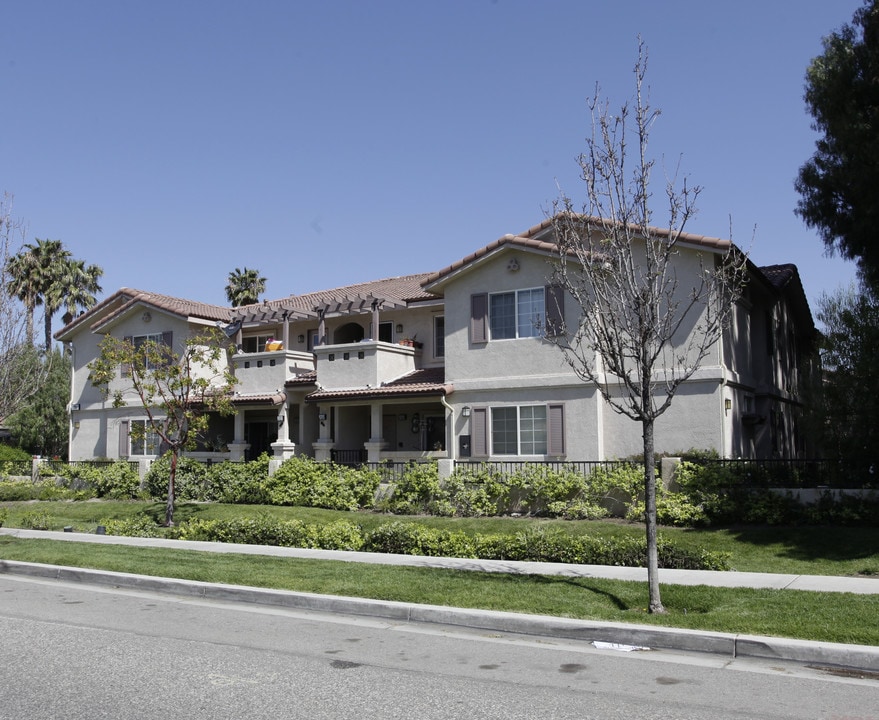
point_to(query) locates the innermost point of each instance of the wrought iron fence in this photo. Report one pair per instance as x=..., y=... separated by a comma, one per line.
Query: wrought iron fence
x=796, y=473
x=511, y=467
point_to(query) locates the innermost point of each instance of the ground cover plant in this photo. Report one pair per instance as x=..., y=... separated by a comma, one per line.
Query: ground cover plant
x=826, y=617
x=825, y=550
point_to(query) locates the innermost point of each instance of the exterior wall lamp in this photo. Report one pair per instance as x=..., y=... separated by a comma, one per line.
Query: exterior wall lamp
x=465, y=411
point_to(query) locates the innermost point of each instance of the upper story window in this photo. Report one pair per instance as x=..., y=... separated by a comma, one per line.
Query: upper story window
x=535, y=312
x=517, y=314
x=156, y=349
x=439, y=336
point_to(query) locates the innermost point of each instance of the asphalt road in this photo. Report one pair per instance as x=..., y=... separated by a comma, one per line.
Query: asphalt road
x=74, y=651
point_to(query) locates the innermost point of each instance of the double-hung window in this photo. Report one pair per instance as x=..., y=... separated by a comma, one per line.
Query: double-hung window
x=519, y=430
x=144, y=441
x=517, y=314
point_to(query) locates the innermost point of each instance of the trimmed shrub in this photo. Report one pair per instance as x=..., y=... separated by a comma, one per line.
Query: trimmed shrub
x=303, y=481
x=239, y=482
x=190, y=482
x=117, y=481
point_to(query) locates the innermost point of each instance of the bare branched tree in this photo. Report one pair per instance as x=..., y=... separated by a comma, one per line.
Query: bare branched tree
x=649, y=310
x=22, y=371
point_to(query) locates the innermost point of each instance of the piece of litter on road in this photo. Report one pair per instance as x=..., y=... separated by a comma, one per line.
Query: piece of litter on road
x=617, y=646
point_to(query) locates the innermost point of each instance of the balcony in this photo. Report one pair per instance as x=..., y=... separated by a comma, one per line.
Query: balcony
x=368, y=363
x=267, y=371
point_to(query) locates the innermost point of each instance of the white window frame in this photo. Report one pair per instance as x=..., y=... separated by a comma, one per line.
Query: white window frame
x=150, y=441
x=537, y=329
x=139, y=341
x=538, y=447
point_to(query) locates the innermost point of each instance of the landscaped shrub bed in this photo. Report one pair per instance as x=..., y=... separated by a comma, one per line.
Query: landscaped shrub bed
x=411, y=538
x=708, y=494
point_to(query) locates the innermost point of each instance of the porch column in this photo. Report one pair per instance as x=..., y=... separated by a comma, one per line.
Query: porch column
x=376, y=443
x=321, y=328
x=375, y=319
x=285, y=332
x=238, y=446
x=282, y=448
x=323, y=446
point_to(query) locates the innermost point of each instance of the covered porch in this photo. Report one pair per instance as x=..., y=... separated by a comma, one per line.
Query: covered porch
x=402, y=420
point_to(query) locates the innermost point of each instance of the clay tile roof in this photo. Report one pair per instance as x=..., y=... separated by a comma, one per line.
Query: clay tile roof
x=540, y=238
x=173, y=305
x=427, y=381
x=309, y=378
x=407, y=288
x=259, y=399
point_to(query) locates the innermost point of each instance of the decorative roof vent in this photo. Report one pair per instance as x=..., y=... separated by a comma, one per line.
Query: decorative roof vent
x=513, y=265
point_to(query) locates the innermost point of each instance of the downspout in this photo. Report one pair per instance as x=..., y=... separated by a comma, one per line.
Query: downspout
x=451, y=427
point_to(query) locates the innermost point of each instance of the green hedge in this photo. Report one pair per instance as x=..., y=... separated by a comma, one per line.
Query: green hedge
x=408, y=538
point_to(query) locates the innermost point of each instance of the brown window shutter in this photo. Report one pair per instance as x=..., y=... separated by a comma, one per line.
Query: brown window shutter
x=123, y=438
x=554, y=302
x=479, y=318
x=126, y=368
x=479, y=432
x=555, y=441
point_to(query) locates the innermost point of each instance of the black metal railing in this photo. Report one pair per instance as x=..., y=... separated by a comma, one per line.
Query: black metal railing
x=796, y=473
x=511, y=467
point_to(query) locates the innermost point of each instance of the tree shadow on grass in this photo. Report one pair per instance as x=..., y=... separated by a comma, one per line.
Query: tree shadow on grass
x=585, y=584
x=813, y=542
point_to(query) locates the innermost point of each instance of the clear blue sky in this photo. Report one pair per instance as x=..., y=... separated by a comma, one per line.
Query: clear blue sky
x=327, y=143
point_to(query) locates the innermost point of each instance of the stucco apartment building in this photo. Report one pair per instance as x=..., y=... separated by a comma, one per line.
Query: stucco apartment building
x=450, y=364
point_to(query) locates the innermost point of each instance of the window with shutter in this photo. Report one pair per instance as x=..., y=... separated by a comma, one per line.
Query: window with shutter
x=555, y=430
x=479, y=318
x=479, y=432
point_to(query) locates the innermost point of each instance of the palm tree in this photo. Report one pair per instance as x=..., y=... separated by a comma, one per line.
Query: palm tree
x=46, y=274
x=22, y=285
x=244, y=287
x=33, y=271
x=76, y=288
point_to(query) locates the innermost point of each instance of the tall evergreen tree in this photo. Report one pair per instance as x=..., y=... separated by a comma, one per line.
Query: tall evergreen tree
x=837, y=186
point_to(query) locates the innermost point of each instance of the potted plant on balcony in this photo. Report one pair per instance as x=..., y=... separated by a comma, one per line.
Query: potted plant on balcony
x=410, y=342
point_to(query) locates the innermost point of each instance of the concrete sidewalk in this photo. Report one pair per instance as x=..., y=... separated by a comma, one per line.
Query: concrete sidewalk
x=860, y=657
x=778, y=581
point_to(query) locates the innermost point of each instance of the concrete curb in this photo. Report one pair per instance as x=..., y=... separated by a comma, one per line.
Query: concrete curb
x=861, y=657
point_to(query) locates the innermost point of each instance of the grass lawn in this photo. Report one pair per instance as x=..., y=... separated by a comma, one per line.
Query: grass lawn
x=829, y=617
x=802, y=550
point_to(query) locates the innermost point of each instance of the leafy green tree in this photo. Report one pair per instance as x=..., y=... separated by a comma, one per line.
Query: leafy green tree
x=837, y=186
x=41, y=426
x=21, y=371
x=622, y=275
x=177, y=387
x=244, y=287
x=849, y=399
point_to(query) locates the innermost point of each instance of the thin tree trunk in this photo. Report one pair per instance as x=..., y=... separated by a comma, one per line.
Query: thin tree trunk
x=655, y=601
x=172, y=476
x=47, y=323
